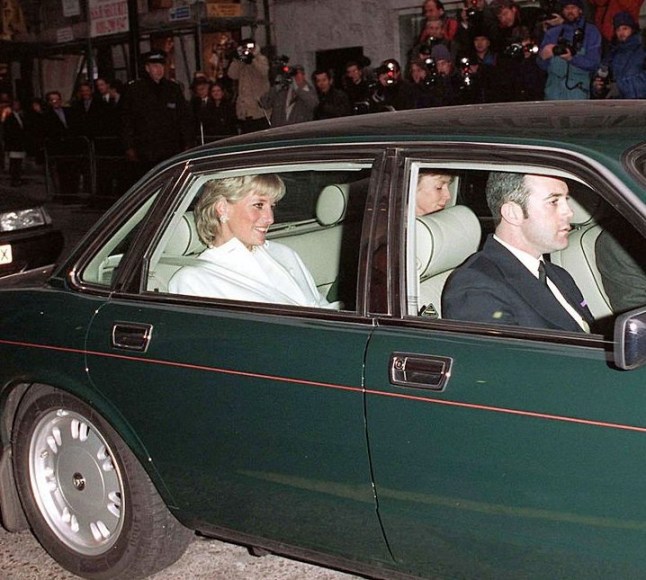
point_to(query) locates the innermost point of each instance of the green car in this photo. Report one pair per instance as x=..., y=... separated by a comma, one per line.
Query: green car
x=372, y=433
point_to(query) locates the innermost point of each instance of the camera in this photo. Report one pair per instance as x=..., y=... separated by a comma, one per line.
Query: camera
x=389, y=69
x=562, y=45
x=284, y=72
x=432, y=74
x=466, y=74
x=245, y=51
x=474, y=16
x=520, y=50
x=603, y=74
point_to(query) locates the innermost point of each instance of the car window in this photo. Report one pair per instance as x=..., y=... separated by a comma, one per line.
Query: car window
x=599, y=253
x=307, y=257
x=101, y=269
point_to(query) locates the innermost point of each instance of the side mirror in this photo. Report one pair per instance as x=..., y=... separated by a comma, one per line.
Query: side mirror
x=630, y=339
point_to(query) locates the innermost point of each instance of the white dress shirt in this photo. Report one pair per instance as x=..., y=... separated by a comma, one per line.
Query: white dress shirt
x=531, y=263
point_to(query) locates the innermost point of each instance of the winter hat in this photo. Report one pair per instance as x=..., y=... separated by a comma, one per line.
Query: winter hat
x=577, y=3
x=624, y=19
x=440, y=52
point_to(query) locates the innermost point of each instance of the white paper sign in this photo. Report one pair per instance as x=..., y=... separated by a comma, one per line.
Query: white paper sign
x=108, y=17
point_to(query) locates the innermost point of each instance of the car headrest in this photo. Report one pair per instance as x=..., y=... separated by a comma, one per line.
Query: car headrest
x=445, y=239
x=585, y=203
x=184, y=241
x=332, y=204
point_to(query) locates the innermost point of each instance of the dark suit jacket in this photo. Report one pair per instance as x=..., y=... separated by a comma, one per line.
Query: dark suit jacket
x=493, y=286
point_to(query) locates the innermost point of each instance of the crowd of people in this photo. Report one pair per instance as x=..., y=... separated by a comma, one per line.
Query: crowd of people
x=488, y=52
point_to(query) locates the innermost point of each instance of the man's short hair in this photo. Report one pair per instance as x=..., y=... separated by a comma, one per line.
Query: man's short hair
x=498, y=5
x=503, y=187
x=321, y=71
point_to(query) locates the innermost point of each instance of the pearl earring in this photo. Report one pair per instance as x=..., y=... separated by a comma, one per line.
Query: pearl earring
x=223, y=219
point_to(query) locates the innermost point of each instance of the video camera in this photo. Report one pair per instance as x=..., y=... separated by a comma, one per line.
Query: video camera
x=284, y=72
x=563, y=45
x=245, y=51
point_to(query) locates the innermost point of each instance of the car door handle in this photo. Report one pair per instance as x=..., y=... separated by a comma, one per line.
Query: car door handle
x=420, y=371
x=131, y=335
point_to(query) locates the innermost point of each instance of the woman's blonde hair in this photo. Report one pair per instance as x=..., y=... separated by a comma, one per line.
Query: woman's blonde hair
x=232, y=190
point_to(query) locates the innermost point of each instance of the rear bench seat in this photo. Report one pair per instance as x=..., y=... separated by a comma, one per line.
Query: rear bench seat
x=319, y=247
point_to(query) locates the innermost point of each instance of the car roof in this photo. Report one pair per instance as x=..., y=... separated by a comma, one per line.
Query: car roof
x=605, y=126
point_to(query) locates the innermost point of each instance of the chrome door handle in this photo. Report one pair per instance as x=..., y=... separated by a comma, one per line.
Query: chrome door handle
x=420, y=371
x=131, y=335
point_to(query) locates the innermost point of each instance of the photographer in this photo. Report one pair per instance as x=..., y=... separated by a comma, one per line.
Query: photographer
x=392, y=93
x=250, y=69
x=291, y=99
x=624, y=64
x=357, y=87
x=475, y=15
x=570, y=54
x=332, y=102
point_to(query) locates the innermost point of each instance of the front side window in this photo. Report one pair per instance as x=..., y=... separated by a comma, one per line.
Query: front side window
x=519, y=246
x=283, y=235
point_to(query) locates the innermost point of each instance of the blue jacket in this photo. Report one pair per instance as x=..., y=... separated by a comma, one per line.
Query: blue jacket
x=571, y=80
x=626, y=63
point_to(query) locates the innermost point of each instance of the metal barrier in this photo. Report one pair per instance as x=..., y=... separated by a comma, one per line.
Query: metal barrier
x=77, y=167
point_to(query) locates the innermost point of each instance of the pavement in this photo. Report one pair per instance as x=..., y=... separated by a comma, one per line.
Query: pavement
x=22, y=558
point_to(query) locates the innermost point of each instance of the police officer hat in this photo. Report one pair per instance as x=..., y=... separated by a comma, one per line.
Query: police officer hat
x=154, y=56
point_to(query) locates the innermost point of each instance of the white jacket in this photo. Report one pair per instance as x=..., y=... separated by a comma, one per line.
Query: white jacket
x=271, y=273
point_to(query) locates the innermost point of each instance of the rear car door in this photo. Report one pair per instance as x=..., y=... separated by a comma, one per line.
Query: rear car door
x=500, y=452
x=252, y=414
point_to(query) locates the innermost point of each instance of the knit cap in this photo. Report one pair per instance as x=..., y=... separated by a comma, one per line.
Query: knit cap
x=624, y=19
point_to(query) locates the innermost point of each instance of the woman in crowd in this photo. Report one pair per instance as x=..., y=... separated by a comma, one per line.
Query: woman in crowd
x=220, y=119
x=232, y=217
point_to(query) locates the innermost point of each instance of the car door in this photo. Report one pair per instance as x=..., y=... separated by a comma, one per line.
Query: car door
x=498, y=451
x=252, y=414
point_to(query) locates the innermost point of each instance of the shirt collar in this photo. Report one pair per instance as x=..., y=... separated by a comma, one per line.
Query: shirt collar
x=529, y=261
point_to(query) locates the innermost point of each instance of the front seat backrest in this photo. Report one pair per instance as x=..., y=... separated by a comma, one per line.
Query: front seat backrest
x=444, y=240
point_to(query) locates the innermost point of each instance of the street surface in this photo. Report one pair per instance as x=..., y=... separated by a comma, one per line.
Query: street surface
x=22, y=558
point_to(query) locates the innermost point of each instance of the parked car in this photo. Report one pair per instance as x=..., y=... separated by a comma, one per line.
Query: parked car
x=380, y=437
x=27, y=238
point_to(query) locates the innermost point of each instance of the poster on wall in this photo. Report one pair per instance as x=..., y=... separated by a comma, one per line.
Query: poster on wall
x=13, y=19
x=108, y=17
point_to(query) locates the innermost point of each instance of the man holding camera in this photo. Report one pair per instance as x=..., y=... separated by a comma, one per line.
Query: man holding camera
x=292, y=100
x=250, y=69
x=570, y=54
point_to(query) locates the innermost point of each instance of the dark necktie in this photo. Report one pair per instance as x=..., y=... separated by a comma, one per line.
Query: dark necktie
x=542, y=276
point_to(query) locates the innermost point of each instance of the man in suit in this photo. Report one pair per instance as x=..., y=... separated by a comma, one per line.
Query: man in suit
x=291, y=102
x=508, y=281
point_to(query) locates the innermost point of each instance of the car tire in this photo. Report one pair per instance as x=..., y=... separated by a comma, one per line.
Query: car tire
x=87, y=499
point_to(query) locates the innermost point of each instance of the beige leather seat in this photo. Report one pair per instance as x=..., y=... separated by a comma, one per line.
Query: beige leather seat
x=182, y=249
x=444, y=239
x=579, y=258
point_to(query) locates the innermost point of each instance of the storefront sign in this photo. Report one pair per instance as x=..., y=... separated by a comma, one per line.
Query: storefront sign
x=108, y=17
x=223, y=9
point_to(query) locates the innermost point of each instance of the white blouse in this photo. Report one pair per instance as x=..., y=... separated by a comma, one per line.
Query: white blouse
x=271, y=273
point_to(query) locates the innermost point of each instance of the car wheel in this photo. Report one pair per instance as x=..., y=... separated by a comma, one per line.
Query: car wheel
x=88, y=500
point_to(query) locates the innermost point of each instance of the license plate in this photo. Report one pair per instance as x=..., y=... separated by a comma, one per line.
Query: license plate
x=5, y=254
